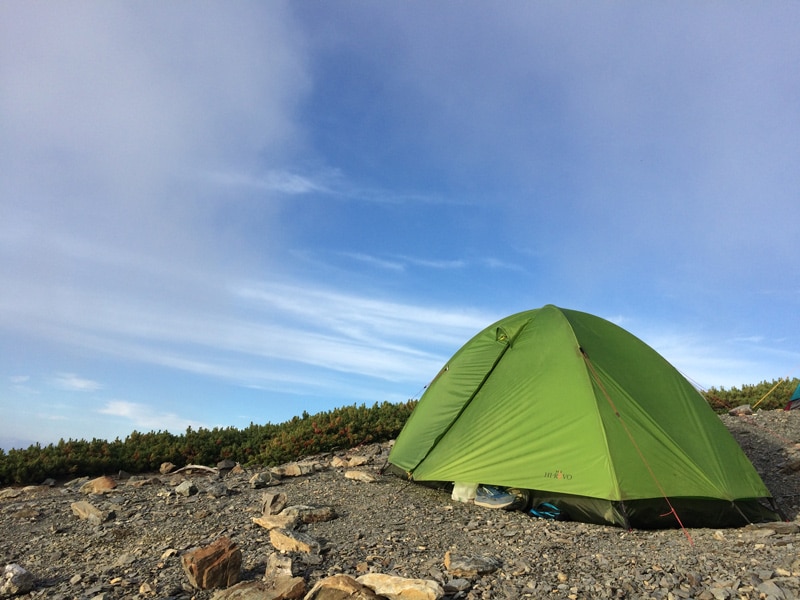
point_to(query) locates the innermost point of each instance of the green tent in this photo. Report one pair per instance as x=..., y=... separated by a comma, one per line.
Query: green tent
x=586, y=416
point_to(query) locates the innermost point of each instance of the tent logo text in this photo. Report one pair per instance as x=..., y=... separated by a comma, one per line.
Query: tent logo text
x=558, y=474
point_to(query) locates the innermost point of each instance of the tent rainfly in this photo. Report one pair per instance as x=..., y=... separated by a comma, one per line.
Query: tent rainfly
x=586, y=416
x=794, y=401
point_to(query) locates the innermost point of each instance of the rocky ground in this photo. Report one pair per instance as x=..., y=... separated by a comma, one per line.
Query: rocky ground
x=130, y=541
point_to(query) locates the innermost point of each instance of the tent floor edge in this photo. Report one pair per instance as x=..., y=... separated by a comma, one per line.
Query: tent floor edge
x=620, y=507
x=657, y=513
x=777, y=509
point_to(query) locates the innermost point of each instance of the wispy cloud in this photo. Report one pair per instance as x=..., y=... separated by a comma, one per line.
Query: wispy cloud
x=720, y=362
x=390, y=196
x=331, y=183
x=280, y=181
x=400, y=262
x=246, y=197
x=373, y=261
x=496, y=263
x=364, y=317
x=277, y=330
x=146, y=417
x=436, y=264
x=52, y=417
x=23, y=384
x=71, y=382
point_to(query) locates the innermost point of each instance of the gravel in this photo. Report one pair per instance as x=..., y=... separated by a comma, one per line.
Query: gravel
x=393, y=527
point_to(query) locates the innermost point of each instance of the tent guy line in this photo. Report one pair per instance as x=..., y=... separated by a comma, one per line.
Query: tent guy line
x=599, y=383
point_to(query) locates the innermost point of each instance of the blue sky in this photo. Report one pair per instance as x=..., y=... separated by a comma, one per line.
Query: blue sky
x=218, y=213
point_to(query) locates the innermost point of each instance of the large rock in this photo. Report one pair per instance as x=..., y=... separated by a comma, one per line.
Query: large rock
x=287, y=588
x=213, y=566
x=261, y=480
x=16, y=580
x=217, y=490
x=226, y=466
x=9, y=493
x=280, y=588
x=100, y=485
x=89, y=512
x=341, y=587
x=272, y=503
x=400, y=588
x=186, y=488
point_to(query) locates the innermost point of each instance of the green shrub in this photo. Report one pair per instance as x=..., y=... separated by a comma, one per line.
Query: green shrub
x=266, y=445
x=767, y=395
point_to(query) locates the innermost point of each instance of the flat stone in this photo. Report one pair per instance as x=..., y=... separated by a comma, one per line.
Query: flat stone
x=462, y=566
x=401, y=588
x=100, y=485
x=780, y=527
x=361, y=476
x=286, y=540
x=769, y=589
x=310, y=514
x=85, y=510
x=339, y=462
x=260, y=480
x=76, y=483
x=296, y=469
x=341, y=587
x=282, y=588
x=217, y=490
x=457, y=585
x=138, y=482
x=287, y=587
x=282, y=521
